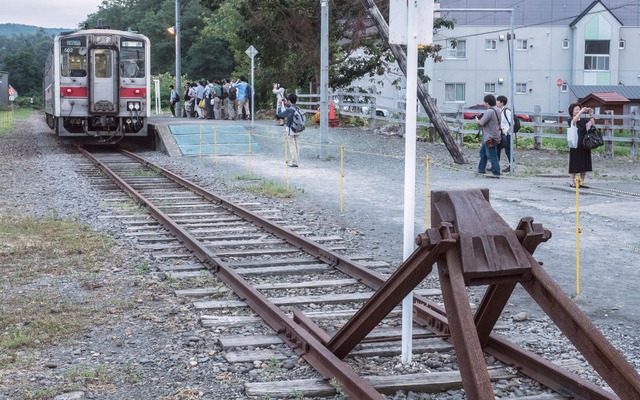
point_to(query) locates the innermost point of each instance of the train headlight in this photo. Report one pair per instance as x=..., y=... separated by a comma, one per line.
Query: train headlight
x=134, y=106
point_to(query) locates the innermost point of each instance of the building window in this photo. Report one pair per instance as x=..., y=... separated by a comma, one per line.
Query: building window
x=454, y=92
x=457, y=50
x=490, y=44
x=490, y=88
x=522, y=44
x=596, y=55
x=622, y=44
x=565, y=43
x=521, y=88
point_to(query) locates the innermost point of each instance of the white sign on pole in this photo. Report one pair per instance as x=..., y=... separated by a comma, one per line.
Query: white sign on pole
x=398, y=12
x=251, y=51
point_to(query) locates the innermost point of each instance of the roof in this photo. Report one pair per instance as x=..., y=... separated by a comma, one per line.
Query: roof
x=629, y=92
x=537, y=13
x=588, y=10
x=606, y=98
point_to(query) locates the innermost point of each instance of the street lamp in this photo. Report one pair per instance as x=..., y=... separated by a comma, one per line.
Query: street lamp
x=175, y=30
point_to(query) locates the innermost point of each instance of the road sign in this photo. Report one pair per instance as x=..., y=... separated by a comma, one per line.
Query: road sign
x=12, y=98
x=559, y=82
x=251, y=51
x=11, y=91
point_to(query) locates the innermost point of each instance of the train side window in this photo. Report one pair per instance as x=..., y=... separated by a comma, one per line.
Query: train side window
x=132, y=63
x=73, y=62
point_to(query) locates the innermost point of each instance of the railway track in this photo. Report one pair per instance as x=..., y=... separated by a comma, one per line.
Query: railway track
x=303, y=289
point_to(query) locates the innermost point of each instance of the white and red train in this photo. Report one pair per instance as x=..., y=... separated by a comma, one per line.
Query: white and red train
x=97, y=85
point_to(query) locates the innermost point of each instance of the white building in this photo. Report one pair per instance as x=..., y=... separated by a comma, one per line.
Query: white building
x=558, y=44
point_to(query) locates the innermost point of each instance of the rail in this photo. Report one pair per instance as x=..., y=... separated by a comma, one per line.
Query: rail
x=616, y=129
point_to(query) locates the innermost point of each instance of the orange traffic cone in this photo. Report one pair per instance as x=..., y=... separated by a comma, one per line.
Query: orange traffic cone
x=333, y=121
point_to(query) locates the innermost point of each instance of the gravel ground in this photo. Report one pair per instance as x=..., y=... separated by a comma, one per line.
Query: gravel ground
x=156, y=349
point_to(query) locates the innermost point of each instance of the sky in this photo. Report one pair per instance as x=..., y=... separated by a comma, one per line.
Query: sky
x=47, y=13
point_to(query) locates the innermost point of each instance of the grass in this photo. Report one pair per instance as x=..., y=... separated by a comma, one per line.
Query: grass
x=7, y=119
x=38, y=256
x=269, y=189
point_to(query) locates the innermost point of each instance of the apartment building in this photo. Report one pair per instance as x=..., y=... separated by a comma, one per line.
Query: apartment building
x=557, y=45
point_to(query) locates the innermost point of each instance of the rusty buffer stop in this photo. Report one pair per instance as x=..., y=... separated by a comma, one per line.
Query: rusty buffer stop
x=472, y=245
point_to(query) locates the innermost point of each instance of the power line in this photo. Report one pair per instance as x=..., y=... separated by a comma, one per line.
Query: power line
x=447, y=38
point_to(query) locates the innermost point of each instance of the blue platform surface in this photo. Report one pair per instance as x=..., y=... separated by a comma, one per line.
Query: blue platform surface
x=195, y=140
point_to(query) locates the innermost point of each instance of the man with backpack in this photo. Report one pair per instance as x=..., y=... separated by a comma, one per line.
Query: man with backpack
x=231, y=102
x=296, y=122
x=506, y=125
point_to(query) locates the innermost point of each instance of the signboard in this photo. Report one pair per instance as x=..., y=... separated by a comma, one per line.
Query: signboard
x=12, y=98
x=559, y=82
x=251, y=51
x=399, y=11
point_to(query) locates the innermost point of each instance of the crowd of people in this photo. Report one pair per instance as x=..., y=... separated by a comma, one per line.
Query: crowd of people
x=213, y=99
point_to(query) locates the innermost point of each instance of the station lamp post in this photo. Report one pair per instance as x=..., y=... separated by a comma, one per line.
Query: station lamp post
x=175, y=30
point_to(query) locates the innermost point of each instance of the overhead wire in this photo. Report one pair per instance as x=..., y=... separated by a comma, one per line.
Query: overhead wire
x=552, y=21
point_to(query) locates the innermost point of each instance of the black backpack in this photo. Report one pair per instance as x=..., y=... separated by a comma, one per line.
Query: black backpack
x=232, y=93
x=516, y=121
x=177, y=99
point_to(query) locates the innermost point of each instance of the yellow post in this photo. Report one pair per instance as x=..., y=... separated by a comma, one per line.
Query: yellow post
x=427, y=160
x=250, y=170
x=286, y=162
x=341, y=174
x=578, y=231
x=200, y=140
x=215, y=145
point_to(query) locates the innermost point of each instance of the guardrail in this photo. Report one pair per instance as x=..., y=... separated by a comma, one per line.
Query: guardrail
x=615, y=128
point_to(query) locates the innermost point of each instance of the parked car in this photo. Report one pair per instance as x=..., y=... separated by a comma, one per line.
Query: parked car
x=380, y=112
x=472, y=114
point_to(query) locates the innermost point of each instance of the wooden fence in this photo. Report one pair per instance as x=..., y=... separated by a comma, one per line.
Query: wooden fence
x=615, y=128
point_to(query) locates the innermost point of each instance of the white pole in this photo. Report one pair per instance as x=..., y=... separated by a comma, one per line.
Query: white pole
x=324, y=77
x=253, y=91
x=410, y=170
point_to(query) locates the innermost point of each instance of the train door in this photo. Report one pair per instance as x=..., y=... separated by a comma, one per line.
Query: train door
x=104, y=81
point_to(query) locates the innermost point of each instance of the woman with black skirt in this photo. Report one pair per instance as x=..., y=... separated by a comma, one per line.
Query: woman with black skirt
x=580, y=157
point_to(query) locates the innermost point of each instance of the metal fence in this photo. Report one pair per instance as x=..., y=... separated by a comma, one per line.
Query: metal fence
x=615, y=128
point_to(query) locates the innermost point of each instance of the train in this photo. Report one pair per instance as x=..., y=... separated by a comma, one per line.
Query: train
x=97, y=85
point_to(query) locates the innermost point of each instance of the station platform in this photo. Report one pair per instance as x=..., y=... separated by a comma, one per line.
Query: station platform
x=188, y=137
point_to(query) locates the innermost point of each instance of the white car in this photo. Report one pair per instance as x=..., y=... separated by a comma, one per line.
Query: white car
x=380, y=112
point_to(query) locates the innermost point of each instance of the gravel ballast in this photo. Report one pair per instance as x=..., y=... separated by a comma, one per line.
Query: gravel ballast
x=157, y=349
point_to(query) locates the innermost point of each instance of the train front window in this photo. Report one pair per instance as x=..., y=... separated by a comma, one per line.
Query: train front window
x=102, y=63
x=132, y=59
x=74, y=61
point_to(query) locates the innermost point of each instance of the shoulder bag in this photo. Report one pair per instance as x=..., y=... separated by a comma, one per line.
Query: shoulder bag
x=572, y=136
x=593, y=138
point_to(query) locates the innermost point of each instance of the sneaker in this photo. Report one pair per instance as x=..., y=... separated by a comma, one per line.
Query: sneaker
x=293, y=165
x=506, y=169
x=480, y=173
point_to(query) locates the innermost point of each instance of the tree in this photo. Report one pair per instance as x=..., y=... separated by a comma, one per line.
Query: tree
x=25, y=75
x=427, y=102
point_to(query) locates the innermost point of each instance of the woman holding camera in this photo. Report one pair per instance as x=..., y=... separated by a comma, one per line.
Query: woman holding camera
x=580, y=157
x=280, y=100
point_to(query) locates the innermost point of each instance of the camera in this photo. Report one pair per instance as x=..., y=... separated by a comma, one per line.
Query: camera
x=480, y=115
